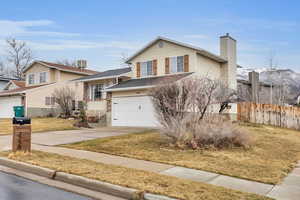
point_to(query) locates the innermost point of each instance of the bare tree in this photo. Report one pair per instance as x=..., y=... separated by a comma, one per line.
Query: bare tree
x=2, y=69
x=124, y=57
x=64, y=97
x=19, y=56
x=188, y=113
x=67, y=62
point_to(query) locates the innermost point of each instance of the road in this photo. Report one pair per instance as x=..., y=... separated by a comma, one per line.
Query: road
x=16, y=188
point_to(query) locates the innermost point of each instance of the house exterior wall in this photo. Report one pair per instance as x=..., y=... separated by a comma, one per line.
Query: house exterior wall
x=65, y=76
x=36, y=68
x=35, y=98
x=168, y=49
x=98, y=107
x=54, y=75
x=129, y=93
x=207, y=67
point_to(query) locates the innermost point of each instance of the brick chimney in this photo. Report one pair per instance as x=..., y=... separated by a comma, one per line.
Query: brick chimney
x=228, y=51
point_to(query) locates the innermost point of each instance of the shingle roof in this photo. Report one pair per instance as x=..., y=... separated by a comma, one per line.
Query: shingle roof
x=3, y=78
x=108, y=73
x=19, y=83
x=198, y=49
x=147, y=82
x=69, y=68
x=64, y=68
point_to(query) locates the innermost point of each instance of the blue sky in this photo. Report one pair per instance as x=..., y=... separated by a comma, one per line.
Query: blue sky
x=103, y=31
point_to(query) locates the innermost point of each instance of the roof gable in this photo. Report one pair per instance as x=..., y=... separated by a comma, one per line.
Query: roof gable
x=197, y=49
x=17, y=84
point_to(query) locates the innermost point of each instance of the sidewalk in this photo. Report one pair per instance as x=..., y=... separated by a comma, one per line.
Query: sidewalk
x=289, y=189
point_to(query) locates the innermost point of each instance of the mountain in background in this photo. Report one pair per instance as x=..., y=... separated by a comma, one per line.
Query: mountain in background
x=278, y=77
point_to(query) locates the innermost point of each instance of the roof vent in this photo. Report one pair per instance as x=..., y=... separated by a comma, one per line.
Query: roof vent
x=160, y=44
x=81, y=64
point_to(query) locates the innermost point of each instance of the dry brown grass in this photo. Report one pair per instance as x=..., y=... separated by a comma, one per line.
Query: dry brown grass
x=273, y=155
x=141, y=180
x=39, y=125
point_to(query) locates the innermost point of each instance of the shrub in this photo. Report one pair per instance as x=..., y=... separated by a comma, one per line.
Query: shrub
x=188, y=114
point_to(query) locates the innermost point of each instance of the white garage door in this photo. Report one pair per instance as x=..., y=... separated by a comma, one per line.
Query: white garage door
x=7, y=104
x=133, y=111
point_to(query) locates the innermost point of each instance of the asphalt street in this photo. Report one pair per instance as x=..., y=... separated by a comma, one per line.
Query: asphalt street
x=16, y=188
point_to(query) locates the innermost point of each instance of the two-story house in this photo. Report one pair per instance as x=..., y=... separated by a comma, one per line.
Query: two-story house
x=126, y=101
x=35, y=93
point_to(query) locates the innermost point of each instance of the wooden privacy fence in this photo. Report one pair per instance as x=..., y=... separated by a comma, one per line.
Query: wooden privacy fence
x=282, y=116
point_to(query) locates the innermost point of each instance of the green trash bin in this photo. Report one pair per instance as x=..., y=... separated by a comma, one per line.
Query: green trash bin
x=19, y=111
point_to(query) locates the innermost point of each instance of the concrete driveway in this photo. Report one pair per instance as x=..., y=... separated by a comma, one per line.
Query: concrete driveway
x=65, y=137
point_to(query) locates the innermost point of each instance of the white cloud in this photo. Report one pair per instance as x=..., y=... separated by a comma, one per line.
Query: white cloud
x=22, y=28
x=59, y=45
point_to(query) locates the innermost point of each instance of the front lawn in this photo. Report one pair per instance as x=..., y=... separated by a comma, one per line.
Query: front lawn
x=138, y=179
x=273, y=155
x=39, y=125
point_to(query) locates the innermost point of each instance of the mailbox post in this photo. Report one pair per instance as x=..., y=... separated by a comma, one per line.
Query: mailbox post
x=21, y=134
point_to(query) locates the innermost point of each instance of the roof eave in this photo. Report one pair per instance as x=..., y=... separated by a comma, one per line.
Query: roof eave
x=199, y=50
x=129, y=88
x=102, y=78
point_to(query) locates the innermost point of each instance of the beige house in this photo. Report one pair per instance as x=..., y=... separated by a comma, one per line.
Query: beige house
x=126, y=102
x=35, y=93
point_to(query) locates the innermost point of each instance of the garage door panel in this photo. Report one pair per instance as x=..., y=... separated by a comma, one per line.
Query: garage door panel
x=7, y=104
x=133, y=111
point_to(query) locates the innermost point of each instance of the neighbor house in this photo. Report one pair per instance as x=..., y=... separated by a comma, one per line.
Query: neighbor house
x=35, y=94
x=122, y=95
x=4, y=81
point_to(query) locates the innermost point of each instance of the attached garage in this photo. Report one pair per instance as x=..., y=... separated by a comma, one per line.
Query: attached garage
x=6, y=105
x=135, y=111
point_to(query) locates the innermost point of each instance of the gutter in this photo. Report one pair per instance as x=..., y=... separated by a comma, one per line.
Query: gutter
x=128, y=88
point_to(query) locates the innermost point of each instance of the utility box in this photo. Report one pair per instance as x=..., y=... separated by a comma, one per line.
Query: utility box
x=21, y=134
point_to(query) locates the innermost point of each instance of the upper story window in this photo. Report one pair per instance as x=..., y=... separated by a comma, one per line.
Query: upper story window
x=43, y=77
x=176, y=64
x=147, y=68
x=31, y=79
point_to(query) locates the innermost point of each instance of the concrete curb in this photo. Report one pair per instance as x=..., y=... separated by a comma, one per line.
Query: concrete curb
x=149, y=196
x=45, y=172
x=95, y=185
x=100, y=186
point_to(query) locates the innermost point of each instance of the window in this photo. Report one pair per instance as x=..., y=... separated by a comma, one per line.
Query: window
x=176, y=64
x=43, y=77
x=147, y=68
x=96, y=92
x=31, y=79
x=49, y=101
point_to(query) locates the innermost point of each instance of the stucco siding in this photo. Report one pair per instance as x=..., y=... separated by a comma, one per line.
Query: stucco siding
x=65, y=76
x=207, y=67
x=129, y=93
x=97, y=105
x=160, y=53
x=35, y=69
x=36, y=97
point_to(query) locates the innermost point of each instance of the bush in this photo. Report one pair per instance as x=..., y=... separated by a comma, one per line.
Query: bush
x=188, y=114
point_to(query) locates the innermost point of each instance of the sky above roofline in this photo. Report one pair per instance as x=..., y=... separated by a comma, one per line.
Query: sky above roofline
x=104, y=32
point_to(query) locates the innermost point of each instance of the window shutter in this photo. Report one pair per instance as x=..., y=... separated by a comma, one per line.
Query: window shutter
x=167, y=65
x=138, y=69
x=154, y=67
x=186, y=63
